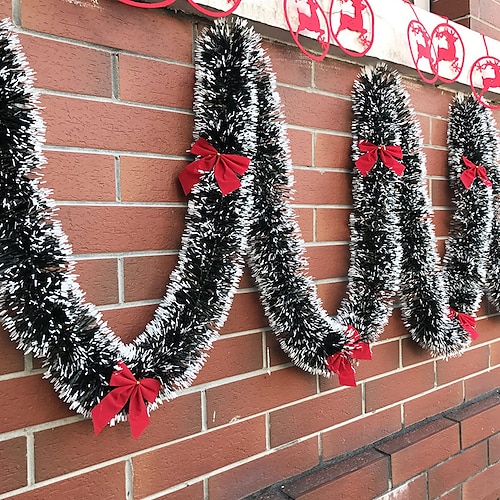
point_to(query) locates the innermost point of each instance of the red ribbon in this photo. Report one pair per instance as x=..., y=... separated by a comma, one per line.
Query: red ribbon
x=472, y=172
x=341, y=362
x=225, y=167
x=126, y=388
x=388, y=154
x=467, y=321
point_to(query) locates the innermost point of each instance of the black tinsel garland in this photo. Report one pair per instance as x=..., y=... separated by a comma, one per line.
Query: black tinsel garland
x=42, y=306
x=471, y=134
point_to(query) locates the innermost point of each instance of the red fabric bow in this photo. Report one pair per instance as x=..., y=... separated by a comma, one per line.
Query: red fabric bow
x=467, y=321
x=341, y=362
x=126, y=388
x=388, y=154
x=470, y=173
x=225, y=167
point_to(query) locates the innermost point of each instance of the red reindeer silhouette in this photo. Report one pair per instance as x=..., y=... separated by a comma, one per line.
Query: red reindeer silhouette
x=355, y=23
x=449, y=52
x=309, y=20
x=490, y=82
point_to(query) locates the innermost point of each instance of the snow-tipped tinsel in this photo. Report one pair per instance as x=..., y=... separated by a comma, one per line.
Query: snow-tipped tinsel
x=303, y=328
x=42, y=306
x=471, y=135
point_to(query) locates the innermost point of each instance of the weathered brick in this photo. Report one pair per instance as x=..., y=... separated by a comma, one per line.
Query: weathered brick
x=288, y=424
x=457, y=469
x=264, y=471
x=479, y=420
x=170, y=465
x=239, y=399
x=80, y=70
x=362, y=476
x=68, y=448
x=13, y=464
x=354, y=435
x=414, y=452
x=398, y=386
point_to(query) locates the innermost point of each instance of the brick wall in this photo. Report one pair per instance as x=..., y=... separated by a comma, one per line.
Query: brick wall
x=479, y=15
x=116, y=86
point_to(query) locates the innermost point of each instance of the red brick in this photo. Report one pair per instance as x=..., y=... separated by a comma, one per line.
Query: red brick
x=256, y=394
x=167, y=84
x=427, y=99
x=300, y=146
x=332, y=151
x=437, y=161
x=129, y=322
x=433, y=403
x=264, y=471
x=482, y=383
x=494, y=448
x=415, y=451
x=98, y=279
x=180, y=462
x=415, y=488
x=328, y=261
x=326, y=76
x=99, y=229
x=146, y=278
x=457, y=469
x=398, y=386
x=113, y=25
x=395, y=328
x=310, y=109
x=322, y=188
x=363, y=476
x=306, y=222
x=289, y=65
x=80, y=70
x=80, y=176
x=441, y=195
x=28, y=401
x=115, y=126
x=479, y=420
x=441, y=221
x=12, y=359
x=232, y=356
x=13, y=464
x=332, y=224
x=68, y=448
x=326, y=410
x=439, y=131
x=189, y=492
x=425, y=125
x=139, y=179
x=360, y=433
x=473, y=360
x=487, y=483
x=105, y=483
x=246, y=313
x=331, y=294
x=413, y=353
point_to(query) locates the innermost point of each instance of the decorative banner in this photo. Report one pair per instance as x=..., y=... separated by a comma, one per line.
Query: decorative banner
x=485, y=75
x=449, y=51
x=352, y=24
x=306, y=17
x=232, y=6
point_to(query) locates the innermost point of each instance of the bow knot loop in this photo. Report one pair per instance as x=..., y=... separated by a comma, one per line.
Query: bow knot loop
x=390, y=156
x=341, y=362
x=226, y=167
x=471, y=172
x=126, y=389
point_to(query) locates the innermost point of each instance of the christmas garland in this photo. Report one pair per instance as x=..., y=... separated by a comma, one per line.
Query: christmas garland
x=42, y=306
x=472, y=160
